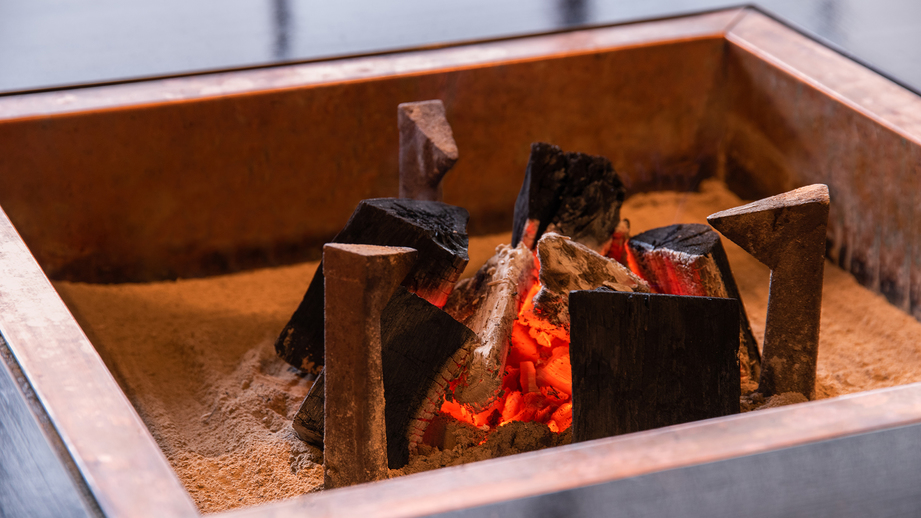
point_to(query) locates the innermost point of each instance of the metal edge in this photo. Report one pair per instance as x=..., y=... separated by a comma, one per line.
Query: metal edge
x=202, y=87
x=605, y=460
x=120, y=462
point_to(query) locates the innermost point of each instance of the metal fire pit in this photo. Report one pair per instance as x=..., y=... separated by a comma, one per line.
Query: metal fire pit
x=215, y=173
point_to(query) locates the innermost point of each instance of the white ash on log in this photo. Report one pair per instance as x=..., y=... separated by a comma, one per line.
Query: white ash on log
x=488, y=304
x=787, y=233
x=573, y=194
x=427, y=149
x=565, y=266
x=689, y=259
x=643, y=360
x=437, y=230
x=360, y=280
x=422, y=350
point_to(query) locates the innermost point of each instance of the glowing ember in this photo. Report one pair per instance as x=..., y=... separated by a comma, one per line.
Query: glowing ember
x=537, y=383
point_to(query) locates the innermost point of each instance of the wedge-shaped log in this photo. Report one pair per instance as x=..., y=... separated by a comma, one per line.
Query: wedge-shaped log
x=643, y=360
x=689, y=259
x=427, y=149
x=360, y=279
x=572, y=194
x=423, y=348
x=787, y=233
x=566, y=266
x=437, y=230
x=488, y=304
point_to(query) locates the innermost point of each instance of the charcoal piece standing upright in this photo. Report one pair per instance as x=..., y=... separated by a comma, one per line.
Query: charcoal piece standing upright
x=689, y=259
x=644, y=360
x=360, y=280
x=573, y=194
x=437, y=230
x=427, y=149
x=787, y=233
x=422, y=349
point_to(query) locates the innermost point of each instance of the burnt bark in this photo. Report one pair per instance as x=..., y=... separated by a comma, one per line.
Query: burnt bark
x=689, y=259
x=573, y=194
x=438, y=232
x=423, y=348
x=643, y=361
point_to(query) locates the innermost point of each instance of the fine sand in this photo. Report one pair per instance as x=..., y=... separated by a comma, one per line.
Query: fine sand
x=195, y=357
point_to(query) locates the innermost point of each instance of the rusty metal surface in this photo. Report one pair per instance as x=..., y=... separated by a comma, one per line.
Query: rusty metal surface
x=802, y=114
x=261, y=168
x=119, y=460
x=184, y=177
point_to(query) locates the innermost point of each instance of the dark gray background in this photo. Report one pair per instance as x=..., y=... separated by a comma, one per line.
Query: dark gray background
x=54, y=43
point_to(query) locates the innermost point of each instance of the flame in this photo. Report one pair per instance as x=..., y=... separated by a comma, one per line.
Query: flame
x=537, y=382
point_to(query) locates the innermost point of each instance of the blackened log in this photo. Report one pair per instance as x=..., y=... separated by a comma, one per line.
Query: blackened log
x=573, y=194
x=488, y=303
x=436, y=230
x=689, y=259
x=423, y=349
x=643, y=360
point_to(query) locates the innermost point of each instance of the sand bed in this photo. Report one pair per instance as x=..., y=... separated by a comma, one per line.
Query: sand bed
x=195, y=357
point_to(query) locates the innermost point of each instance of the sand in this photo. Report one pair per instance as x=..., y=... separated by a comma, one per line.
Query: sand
x=195, y=357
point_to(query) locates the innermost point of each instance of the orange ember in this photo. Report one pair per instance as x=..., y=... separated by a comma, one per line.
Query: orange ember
x=537, y=383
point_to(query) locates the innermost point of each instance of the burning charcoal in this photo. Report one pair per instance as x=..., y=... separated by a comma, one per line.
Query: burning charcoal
x=427, y=149
x=422, y=349
x=572, y=194
x=690, y=260
x=619, y=240
x=488, y=304
x=566, y=266
x=642, y=361
x=436, y=230
x=787, y=233
x=360, y=280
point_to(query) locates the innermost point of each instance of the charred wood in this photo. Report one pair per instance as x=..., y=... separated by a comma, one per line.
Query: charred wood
x=435, y=229
x=488, y=304
x=642, y=361
x=422, y=350
x=573, y=194
x=689, y=259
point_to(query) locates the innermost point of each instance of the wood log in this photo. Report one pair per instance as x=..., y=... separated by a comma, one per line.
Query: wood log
x=360, y=280
x=427, y=149
x=689, y=259
x=643, y=360
x=488, y=304
x=435, y=229
x=566, y=266
x=422, y=350
x=573, y=194
x=787, y=233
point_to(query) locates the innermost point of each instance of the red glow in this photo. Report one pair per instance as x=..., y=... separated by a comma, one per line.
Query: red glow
x=537, y=383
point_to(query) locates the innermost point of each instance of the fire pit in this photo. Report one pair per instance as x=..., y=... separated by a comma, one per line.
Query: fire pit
x=204, y=175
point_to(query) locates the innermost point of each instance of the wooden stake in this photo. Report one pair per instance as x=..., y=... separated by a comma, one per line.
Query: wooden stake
x=422, y=349
x=427, y=149
x=437, y=230
x=787, y=233
x=360, y=279
x=642, y=361
x=689, y=259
